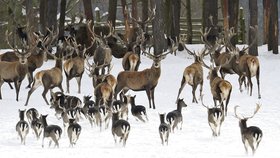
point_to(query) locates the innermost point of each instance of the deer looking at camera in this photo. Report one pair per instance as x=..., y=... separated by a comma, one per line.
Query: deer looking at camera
x=141, y=80
x=251, y=136
x=17, y=70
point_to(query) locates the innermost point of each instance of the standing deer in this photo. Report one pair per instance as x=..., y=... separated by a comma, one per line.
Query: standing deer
x=252, y=135
x=120, y=128
x=22, y=127
x=193, y=74
x=215, y=118
x=163, y=129
x=131, y=61
x=50, y=131
x=141, y=80
x=175, y=117
x=50, y=79
x=17, y=70
x=74, y=131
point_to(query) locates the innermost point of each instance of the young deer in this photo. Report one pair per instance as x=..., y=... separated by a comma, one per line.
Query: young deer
x=120, y=128
x=121, y=107
x=50, y=131
x=141, y=80
x=22, y=127
x=163, y=129
x=215, y=118
x=175, y=117
x=74, y=131
x=251, y=136
x=138, y=111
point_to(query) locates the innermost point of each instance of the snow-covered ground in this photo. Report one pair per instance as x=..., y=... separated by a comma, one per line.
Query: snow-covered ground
x=194, y=140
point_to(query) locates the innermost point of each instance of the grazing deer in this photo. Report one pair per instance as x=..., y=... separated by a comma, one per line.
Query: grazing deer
x=163, y=129
x=22, y=127
x=138, y=111
x=74, y=131
x=120, y=128
x=215, y=118
x=141, y=80
x=193, y=74
x=175, y=117
x=252, y=135
x=50, y=131
x=50, y=79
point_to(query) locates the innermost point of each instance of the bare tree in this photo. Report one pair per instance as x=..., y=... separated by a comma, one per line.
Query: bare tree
x=134, y=12
x=112, y=11
x=233, y=18
x=160, y=43
x=88, y=10
x=210, y=18
x=253, y=7
x=189, y=22
x=175, y=27
x=62, y=17
x=273, y=30
x=52, y=6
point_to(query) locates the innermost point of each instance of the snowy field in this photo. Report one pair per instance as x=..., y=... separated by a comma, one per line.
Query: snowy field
x=194, y=140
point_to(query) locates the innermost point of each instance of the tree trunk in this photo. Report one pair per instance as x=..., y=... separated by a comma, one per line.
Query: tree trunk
x=62, y=17
x=253, y=8
x=52, y=13
x=266, y=17
x=225, y=13
x=134, y=12
x=175, y=28
x=43, y=16
x=167, y=17
x=189, y=22
x=112, y=11
x=88, y=10
x=273, y=28
x=29, y=14
x=210, y=9
x=145, y=8
x=126, y=22
x=160, y=43
x=233, y=18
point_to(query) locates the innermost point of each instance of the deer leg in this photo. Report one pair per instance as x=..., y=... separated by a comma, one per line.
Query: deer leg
x=60, y=87
x=183, y=83
x=17, y=86
x=200, y=90
x=258, y=81
x=152, y=91
x=44, y=95
x=193, y=93
x=1, y=83
x=148, y=92
x=67, y=84
x=79, y=83
x=30, y=79
x=10, y=85
x=227, y=101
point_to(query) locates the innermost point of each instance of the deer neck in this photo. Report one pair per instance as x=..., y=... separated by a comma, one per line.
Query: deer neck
x=21, y=115
x=243, y=125
x=44, y=122
x=162, y=118
x=115, y=118
x=58, y=64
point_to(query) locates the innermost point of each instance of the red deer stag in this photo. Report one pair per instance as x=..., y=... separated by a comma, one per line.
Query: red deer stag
x=141, y=80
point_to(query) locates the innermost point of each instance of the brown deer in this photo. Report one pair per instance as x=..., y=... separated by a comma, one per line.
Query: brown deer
x=74, y=66
x=220, y=88
x=193, y=74
x=50, y=79
x=17, y=70
x=251, y=136
x=141, y=80
x=131, y=61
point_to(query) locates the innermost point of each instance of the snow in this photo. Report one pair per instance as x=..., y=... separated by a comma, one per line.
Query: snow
x=194, y=140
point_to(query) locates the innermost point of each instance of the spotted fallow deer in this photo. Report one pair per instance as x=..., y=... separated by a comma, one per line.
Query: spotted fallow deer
x=252, y=135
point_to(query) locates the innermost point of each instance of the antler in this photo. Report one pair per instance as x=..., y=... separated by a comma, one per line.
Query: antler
x=203, y=102
x=150, y=18
x=256, y=110
x=255, y=29
x=7, y=34
x=227, y=38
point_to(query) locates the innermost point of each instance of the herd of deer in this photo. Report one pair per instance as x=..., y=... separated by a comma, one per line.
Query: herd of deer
x=71, y=58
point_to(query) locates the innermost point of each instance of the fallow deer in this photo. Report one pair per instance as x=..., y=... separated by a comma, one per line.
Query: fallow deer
x=50, y=131
x=22, y=127
x=215, y=118
x=252, y=135
x=138, y=111
x=73, y=131
x=141, y=80
x=163, y=129
x=120, y=128
x=175, y=117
